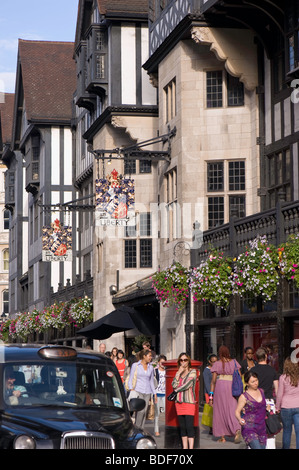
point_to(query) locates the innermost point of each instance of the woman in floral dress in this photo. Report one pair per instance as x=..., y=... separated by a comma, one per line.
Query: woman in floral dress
x=251, y=413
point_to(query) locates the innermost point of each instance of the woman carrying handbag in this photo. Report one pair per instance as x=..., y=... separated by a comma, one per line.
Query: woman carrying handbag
x=287, y=401
x=184, y=387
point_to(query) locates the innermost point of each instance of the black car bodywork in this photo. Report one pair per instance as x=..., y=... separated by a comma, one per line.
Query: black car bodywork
x=57, y=397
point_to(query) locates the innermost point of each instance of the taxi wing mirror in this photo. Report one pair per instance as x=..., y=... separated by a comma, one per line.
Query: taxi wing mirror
x=136, y=404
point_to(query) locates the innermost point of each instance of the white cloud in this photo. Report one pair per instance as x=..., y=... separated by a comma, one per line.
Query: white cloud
x=7, y=82
x=8, y=44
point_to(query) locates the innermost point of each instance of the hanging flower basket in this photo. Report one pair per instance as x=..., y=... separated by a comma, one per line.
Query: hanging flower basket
x=12, y=333
x=171, y=286
x=27, y=323
x=52, y=316
x=211, y=280
x=57, y=316
x=289, y=259
x=256, y=271
x=4, y=330
x=80, y=310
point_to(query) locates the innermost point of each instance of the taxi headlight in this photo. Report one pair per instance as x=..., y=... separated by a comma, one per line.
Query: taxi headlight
x=145, y=443
x=24, y=442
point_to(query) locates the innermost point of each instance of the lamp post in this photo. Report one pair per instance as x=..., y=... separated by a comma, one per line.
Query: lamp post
x=181, y=250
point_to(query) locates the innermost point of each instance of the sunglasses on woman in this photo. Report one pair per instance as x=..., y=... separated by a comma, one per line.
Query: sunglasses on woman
x=183, y=360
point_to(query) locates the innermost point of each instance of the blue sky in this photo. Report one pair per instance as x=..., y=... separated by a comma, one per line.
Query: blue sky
x=44, y=20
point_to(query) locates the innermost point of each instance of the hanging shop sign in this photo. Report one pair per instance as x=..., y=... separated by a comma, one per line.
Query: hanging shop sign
x=115, y=200
x=57, y=242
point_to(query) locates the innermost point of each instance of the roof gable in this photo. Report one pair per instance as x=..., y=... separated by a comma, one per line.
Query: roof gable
x=6, y=117
x=48, y=75
x=118, y=9
x=123, y=6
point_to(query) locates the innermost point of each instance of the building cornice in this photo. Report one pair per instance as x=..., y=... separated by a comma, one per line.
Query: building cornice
x=111, y=111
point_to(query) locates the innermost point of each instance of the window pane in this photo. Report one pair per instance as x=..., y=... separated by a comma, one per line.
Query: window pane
x=146, y=253
x=236, y=176
x=100, y=66
x=6, y=219
x=145, y=224
x=130, y=254
x=216, y=211
x=237, y=206
x=170, y=100
x=214, y=89
x=215, y=176
x=145, y=166
x=235, y=91
x=129, y=167
x=130, y=231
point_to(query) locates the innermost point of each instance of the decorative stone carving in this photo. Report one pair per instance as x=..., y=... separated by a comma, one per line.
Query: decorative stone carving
x=235, y=47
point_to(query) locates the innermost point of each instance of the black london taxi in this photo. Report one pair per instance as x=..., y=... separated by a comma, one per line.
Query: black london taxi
x=59, y=397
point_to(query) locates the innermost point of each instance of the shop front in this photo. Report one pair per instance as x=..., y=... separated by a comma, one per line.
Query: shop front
x=250, y=331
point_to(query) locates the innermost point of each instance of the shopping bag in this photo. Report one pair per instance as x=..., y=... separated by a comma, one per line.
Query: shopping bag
x=207, y=415
x=150, y=410
x=237, y=384
x=273, y=423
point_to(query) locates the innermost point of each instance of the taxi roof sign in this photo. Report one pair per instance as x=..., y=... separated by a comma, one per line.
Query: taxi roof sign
x=57, y=352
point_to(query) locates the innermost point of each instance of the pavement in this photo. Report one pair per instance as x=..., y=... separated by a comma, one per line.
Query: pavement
x=206, y=440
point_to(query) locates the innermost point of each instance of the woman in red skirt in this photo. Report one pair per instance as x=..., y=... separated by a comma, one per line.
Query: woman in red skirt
x=184, y=384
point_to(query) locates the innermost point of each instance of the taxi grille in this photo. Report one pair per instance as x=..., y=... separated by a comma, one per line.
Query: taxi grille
x=86, y=440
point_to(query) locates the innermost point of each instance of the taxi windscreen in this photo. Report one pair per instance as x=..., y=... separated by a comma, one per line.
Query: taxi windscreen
x=65, y=384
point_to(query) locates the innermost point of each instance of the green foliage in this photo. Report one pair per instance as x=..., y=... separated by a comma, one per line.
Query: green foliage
x=171, y=286
x=289, y=259
x=256, y=272
x=57, y=316
x=211, y=280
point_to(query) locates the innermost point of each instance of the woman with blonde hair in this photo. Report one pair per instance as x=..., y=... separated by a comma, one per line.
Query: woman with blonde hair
x=287, y=401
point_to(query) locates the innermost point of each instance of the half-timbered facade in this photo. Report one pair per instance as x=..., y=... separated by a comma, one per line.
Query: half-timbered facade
x=115, y=107
x=39, y=174
x=6, y=112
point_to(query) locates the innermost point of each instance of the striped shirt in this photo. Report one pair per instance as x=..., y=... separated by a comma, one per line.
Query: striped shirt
x=185, y=387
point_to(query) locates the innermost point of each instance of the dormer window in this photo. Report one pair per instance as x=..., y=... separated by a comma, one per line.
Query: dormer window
x=97, y=60
x=292, y=40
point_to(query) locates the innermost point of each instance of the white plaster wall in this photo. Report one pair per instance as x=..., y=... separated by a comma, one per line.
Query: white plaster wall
x=128, y=64
x=55, y=160
x=149, y=93
x=67, y=157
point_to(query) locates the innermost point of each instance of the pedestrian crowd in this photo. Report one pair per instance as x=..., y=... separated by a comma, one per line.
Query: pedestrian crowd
x=266, y=402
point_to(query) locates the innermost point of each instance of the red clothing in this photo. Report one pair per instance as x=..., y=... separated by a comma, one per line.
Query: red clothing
x=121, y=368
x=185, y=409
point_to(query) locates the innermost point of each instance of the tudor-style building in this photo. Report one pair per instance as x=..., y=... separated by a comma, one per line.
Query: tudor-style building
x=115, y=107
x=6, y=113
x=39, y=169
x=228, y=69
